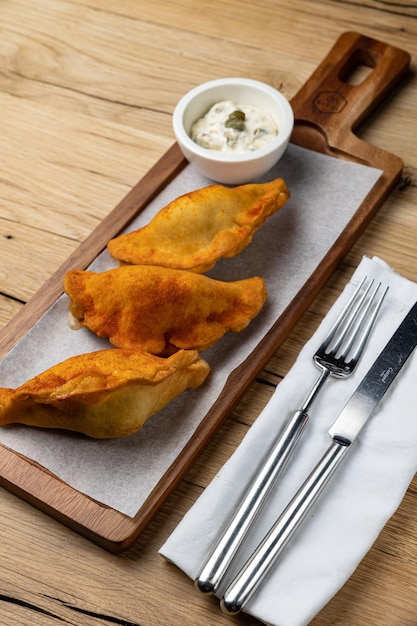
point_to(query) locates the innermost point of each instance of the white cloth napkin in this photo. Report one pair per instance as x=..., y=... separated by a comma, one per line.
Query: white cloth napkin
x=362, y=496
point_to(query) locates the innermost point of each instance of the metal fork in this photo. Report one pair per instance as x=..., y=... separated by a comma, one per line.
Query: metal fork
x=337, y=356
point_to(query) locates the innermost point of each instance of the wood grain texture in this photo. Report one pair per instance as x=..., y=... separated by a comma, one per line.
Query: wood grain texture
x=87, y=89
x=322, y=124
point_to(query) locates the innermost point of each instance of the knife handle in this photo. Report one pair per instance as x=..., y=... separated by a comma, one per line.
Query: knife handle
x=221, y=556
x=258, y=565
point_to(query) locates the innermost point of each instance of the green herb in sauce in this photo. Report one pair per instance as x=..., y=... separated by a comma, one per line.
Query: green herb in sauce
x=236, y=120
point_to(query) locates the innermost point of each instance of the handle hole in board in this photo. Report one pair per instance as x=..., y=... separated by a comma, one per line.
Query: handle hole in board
x=358, y=67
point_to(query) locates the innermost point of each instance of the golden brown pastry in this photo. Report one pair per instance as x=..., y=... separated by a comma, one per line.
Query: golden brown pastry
x=202, y=226
x=160, y=310
x=109, y=393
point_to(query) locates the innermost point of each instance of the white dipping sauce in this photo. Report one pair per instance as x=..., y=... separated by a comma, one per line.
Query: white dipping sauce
x=255, y=128
x=73, y=323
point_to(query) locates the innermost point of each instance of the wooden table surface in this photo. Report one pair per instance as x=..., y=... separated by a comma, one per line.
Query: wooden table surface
x=87, y=89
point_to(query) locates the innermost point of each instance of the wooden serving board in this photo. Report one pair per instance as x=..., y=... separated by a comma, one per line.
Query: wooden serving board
x=327, y=109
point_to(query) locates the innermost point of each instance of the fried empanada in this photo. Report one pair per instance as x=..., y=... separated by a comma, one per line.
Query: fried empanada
x=160, y=310
x=104, y=394
x=200, y=227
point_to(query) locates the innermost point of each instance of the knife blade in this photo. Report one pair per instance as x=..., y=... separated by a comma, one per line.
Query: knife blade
x=344, y=431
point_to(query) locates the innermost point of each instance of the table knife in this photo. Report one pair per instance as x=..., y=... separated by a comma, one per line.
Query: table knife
x=360, y=407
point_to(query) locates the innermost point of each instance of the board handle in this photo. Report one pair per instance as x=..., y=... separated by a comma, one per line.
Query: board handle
x=329, y=107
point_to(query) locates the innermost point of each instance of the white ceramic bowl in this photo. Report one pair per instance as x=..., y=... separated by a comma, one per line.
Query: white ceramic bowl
x=230, y=168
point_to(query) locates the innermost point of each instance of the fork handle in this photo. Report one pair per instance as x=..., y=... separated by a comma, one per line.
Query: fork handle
x=256, y=568
x=221, y=556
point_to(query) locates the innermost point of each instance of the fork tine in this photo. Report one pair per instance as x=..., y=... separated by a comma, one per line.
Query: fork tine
x=353, y=320
x=341, y=317
x=366, y=331
x=361, y=313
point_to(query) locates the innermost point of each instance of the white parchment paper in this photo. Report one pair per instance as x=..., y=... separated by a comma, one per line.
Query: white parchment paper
x=121, y=473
